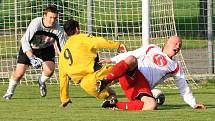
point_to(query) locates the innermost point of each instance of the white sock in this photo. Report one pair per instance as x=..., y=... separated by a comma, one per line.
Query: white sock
x=11, y=86
x=43, y=78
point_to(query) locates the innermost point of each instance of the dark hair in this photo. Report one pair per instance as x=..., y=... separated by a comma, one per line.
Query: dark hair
x=70, y=27
x=51, y=8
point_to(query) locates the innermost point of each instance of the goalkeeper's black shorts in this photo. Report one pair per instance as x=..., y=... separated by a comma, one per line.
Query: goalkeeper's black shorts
x=46, y=54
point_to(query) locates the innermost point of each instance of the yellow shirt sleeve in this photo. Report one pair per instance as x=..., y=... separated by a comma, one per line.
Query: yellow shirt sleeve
x=100, y=42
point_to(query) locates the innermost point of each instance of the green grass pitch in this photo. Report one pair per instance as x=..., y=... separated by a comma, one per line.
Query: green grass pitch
x=27, y=105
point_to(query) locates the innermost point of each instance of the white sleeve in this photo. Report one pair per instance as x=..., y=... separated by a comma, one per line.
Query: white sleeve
x=62, y=40
x=184, y=89
x=136, y=53
x=32, y=28
x=142, y=51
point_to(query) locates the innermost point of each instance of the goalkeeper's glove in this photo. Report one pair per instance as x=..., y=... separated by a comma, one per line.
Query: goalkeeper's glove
x=35, y=61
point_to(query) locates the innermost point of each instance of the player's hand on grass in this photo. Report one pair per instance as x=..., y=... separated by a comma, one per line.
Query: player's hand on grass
x=122, y=48
x=199, y=106
x=35, y=61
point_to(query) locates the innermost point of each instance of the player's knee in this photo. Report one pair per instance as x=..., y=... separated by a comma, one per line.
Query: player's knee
x=48, y=68
x=150, y=106
x=48, y=72
x=17, y=75
x=131, y=61
x=149, y=103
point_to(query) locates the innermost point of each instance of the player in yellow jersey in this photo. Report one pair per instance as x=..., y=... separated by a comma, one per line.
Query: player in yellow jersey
x=79, y=62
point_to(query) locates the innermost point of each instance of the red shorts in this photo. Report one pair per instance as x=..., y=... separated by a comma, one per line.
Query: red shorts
x=133, y=86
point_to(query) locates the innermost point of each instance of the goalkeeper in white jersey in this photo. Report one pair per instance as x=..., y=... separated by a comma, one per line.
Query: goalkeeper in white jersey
x=155, y=64
x=42, y=39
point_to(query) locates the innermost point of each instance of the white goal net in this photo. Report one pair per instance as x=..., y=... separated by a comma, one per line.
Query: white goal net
x=120, y=20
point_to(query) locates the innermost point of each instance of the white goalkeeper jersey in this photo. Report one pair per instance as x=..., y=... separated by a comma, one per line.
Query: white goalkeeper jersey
x=37, y=36
x=156, y=66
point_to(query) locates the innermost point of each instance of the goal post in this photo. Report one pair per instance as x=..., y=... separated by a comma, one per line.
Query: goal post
x=145, y=22
x=132, y=22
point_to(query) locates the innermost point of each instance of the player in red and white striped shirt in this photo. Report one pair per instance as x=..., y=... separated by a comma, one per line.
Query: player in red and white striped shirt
x=154, y=65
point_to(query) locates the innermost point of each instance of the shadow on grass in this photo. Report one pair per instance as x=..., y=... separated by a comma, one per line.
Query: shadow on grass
x=53, y=97
x=172, y=106
x=56, y=97
x=179, y=106
x=210, y=106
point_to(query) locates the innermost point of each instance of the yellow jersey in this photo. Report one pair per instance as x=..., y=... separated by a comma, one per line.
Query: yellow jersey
x=77, y=57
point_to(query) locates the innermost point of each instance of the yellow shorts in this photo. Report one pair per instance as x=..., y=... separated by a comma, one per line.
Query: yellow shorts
x=88, y=82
